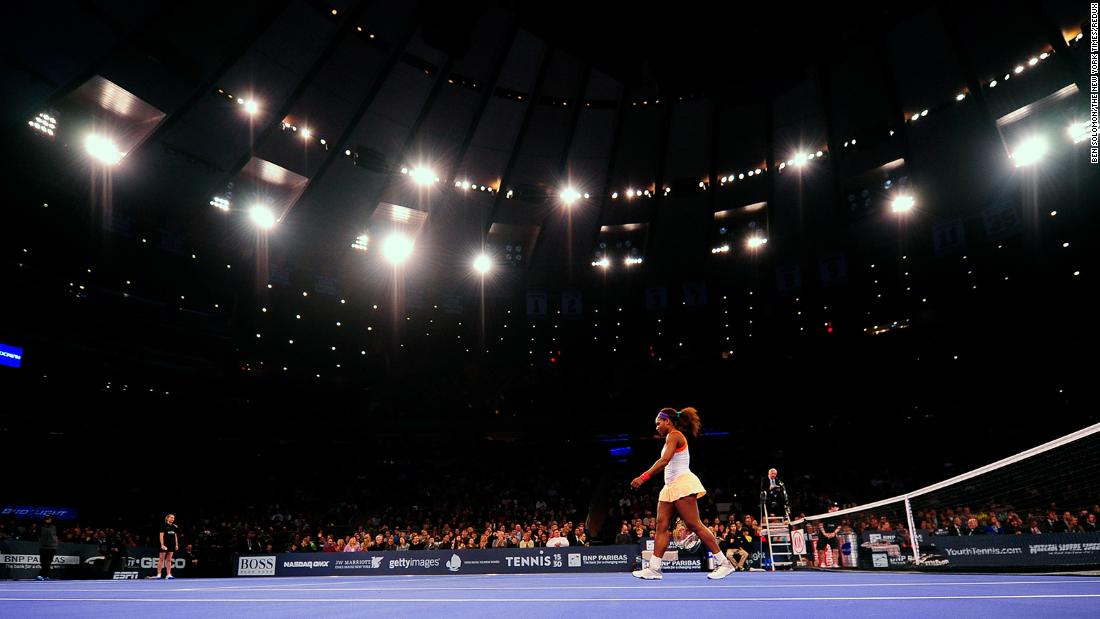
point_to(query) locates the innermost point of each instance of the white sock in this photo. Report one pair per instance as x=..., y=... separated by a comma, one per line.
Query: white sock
x=655, y=562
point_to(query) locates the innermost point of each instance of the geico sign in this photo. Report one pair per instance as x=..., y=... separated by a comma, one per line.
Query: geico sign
x=256, y=566
x=151, y=563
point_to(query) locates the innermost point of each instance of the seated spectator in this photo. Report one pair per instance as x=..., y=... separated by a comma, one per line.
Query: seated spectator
x=559, y=541
x=1053, y=524
x=381, y=544
x=737, y=545
x=624, y=537
x=973, y=528
x=352, y=545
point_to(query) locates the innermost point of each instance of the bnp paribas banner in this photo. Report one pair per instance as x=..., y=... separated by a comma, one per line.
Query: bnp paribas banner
x=19, y=560
x=488, y=561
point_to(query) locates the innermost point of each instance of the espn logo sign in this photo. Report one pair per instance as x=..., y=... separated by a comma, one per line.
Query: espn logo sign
x=256, y=566
x=125, y=576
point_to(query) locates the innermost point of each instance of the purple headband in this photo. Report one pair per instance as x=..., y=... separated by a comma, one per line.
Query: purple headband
x=664, y=415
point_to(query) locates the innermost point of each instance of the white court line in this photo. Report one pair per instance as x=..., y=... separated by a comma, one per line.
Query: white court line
x=355, y=583
x=637, y=586
x=414, y=579
x=564, y=600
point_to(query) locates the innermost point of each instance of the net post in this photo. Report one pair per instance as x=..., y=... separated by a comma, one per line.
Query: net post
x=913, y=542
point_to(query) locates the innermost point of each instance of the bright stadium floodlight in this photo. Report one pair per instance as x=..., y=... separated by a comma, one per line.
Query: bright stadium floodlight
x=800, y=159
x=902, y=204
x=756, y=242
x=423, y=175
x=262, y=217
x=1079, y=132
x=397, y=248
x=482, y=264
x=1030, y=151
x=251, y=107
x=603, y=263
x=103, y=149
x=570, y=196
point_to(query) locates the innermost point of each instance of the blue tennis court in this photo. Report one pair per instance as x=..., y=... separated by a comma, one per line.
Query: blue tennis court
x=782, y=594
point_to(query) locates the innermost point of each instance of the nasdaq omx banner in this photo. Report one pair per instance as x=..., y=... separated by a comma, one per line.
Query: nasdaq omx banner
x=487, y=561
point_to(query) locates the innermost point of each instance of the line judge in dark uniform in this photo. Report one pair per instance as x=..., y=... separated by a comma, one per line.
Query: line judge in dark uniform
x=169, y=544
x=47, y=547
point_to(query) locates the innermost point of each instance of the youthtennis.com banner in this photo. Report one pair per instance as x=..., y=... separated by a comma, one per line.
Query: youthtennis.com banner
x=1046, y=550
x=488, y=561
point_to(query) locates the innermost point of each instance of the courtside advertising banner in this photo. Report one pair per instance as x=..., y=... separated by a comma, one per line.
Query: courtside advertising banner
x=19, y=560
x=889, y=549
x=487, y=561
